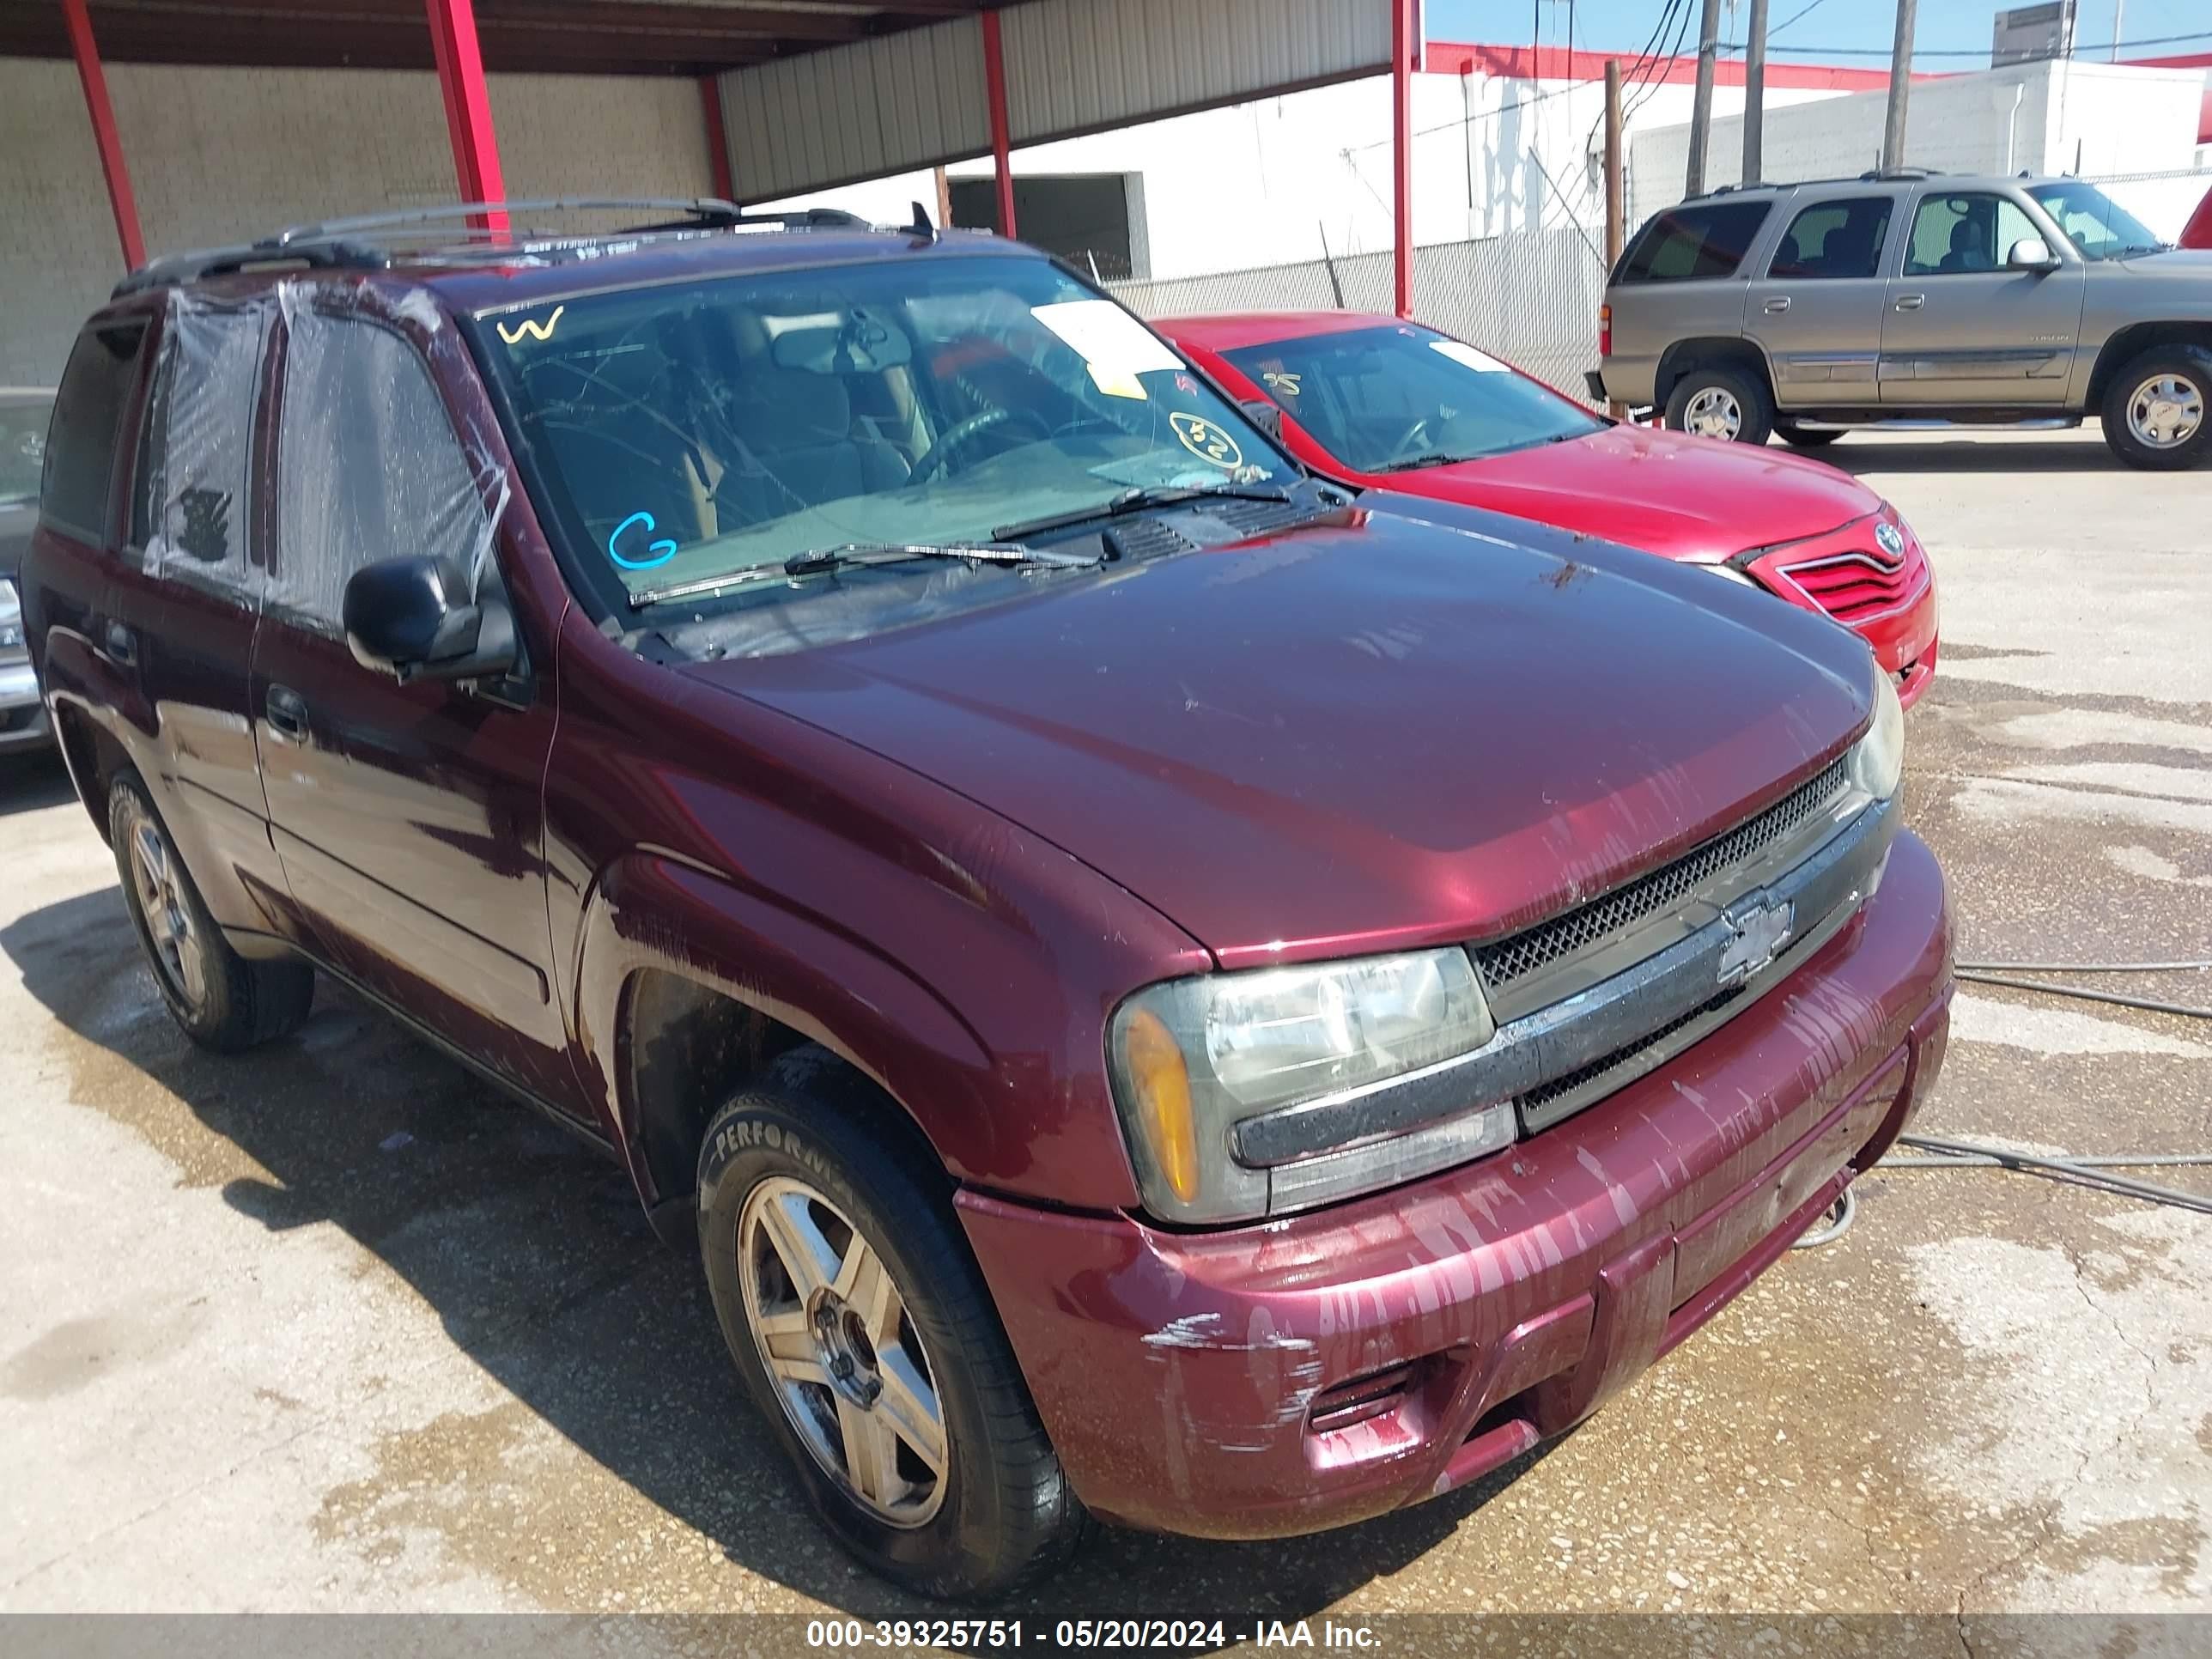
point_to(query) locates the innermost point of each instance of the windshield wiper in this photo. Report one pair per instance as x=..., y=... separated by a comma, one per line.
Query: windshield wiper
x=1000, y=550
x=1434, y=458
x=1138, y=500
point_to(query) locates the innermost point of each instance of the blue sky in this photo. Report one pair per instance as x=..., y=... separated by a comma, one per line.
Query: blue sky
x=1861, y=27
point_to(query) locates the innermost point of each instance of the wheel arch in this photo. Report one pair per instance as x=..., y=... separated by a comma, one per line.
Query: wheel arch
x=2125, y=344
x=689, y=986
x=1713, y=351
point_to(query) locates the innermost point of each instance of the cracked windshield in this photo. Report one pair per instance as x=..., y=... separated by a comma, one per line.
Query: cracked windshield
x=727, y=428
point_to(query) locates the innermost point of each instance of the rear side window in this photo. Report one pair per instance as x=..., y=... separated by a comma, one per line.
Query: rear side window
x=193, y=512
x=1834, y=240
x=1707, y=240
x=80, y=445
x=368, y=466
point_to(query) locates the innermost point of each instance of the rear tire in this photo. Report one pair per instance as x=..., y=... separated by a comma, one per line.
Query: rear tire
x=2157, y=408
x=1805, y=437
x=873, y=1375
x=1721, y=401
x=219, y=999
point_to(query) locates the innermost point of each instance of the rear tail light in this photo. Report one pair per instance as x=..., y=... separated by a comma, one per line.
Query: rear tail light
x=1359, y=1400
x=1605, y=330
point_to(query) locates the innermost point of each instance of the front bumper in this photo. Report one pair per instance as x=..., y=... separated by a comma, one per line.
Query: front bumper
x=23, y=723
x=1179, y=1374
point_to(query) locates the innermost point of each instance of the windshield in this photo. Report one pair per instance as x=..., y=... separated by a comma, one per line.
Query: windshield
x=1386, y=398
x=23, y=448
x=2097, y=225
x=717, y=428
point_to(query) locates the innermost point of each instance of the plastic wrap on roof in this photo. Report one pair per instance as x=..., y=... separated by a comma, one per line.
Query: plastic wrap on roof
x=370, y=465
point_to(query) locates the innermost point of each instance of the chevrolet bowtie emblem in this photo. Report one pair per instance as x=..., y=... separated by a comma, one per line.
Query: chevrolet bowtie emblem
x=1760, y=932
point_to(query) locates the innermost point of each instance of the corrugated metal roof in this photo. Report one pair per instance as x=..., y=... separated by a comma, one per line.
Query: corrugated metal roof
x=916, y=99
x=857, y=111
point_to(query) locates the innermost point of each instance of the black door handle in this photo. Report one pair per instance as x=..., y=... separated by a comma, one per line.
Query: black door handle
x=122, y=645
x=287, y=713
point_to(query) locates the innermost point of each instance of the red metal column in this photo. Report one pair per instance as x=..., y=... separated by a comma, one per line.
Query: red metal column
x=1401, y=148
x=994, y=90
x=104, y=135
x=468, y=106
x=718, y=141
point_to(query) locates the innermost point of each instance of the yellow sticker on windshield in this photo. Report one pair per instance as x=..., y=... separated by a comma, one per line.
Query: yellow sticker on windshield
x=1207, y=440
x=533, y=328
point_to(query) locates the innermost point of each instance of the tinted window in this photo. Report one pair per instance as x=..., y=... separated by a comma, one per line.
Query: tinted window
x=368, y=466
x=80, y=447
x=24, y=426
x=1835, y=238
x=1959, y=235
x=1386, y=399
x=1708, y=239
x=191, y=511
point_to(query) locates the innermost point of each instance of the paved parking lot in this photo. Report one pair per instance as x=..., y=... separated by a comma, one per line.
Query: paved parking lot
x=334, y=1328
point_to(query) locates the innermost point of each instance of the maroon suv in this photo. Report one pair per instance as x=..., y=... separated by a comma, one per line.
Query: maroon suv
x=1160, y=990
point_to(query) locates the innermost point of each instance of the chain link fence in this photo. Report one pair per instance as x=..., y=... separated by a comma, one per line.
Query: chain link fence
x=1530, y=297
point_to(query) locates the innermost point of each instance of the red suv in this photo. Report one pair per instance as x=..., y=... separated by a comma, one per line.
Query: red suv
x=1157, y=990
x=1374, y=401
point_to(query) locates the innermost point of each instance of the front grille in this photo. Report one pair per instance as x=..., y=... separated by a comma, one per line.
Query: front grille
x=1533, y=1102
x=1508, y=960
x=1857, y=586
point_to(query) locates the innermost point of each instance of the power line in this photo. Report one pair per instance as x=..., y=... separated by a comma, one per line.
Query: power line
x=1801, y=12
x=1958, y=52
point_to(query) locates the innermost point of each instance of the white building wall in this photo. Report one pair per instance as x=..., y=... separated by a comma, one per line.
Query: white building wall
x=225, y=155
x=2095, y=119
x=1270, y=182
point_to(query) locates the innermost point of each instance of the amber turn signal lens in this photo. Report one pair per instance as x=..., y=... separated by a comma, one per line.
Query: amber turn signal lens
x=1162, y=1083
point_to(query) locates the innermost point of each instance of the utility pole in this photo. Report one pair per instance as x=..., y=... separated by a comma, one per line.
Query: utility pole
x=2119, y=11
x=1616, y=226
x=1901, y=89
x=1754, y=94
x=1701, y=112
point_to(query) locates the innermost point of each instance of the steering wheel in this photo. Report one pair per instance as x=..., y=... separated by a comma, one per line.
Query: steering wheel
x=1413, y=441
x=937, y=457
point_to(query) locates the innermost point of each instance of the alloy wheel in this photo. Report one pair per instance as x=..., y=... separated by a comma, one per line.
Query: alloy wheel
x=179, y=952
x=1713, y=412
x=2165, y=411
x=842, y=1351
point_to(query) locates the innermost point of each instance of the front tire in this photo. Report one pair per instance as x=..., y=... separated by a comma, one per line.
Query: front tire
x=1721, y=401
x=863, y=1330
x=220, y=999
x=2155, y=413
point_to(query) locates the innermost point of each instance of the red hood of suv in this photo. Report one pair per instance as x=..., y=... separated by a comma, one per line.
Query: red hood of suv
x=1364, y=734
x=1666, y=493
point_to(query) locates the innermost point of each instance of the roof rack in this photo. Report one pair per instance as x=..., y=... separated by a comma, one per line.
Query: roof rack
x=1872, y=175
x=345, y=243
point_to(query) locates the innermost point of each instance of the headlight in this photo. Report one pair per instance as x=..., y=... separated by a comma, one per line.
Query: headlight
x=1250, y=1094
x=1878, y=761
x=11, y=617
x=1730, y=572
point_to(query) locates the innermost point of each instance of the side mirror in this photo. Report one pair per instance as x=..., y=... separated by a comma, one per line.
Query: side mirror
x=409, y=618
x=1265, y=414
x=2030, y=253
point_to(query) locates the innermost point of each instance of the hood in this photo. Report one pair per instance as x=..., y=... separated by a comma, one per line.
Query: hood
x=1663, y=492
x=2192, y=264
x=1364, y=734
